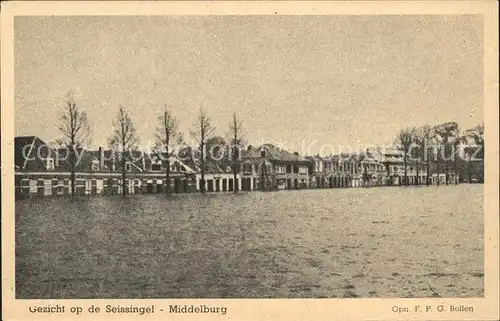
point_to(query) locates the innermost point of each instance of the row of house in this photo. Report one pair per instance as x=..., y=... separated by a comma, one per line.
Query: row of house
x=44, y=171
x=373, y=167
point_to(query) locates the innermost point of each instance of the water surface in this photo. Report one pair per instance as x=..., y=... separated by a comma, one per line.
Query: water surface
x=358, y=242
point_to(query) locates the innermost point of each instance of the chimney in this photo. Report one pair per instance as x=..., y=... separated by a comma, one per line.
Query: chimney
x=101, y=158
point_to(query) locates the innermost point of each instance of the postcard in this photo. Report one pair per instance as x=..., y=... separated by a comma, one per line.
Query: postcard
x=250, y=160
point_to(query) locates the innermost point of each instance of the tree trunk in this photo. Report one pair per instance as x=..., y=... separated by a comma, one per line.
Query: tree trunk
x=202, y=168
x=167, y=150
x=427, y=169
x=73, y=170
x=167, y=177
x=438, y=165
x=406, y=174
x=455, y=178
x=73, y=180
x=235, y=175
x=417, y=181
x=469, y=170
x=124, y=177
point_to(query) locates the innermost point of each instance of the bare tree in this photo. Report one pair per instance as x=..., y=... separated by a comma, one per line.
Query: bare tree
x=437, y=144
x=477, y=134
x=457, y=141
x=447, y=132
x=474, y=151
x=167, y=139
x=235, y=128
x=405, y=141
x=75, y=129
x=422, y=140
x=426, y=139
x=416, y=153
x=204, y=130
x=124, y=140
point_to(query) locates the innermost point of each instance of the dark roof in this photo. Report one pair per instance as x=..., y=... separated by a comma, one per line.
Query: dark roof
x=314, y=158
x=211, y=165
x=344, y=157
x=30, y=152
x=20, y=152
x=274, y=153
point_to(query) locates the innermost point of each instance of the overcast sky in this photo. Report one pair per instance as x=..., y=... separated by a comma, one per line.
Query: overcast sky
x=331, y=79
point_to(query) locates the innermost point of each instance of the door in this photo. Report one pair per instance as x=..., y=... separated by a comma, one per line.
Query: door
x=210, y=185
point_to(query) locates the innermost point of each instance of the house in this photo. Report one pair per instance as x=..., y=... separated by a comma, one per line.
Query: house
x=317, y=172
x=32, y=158
x=31, y=154
x=218, y=175
x=271, y=167
x=393, y=161
x=46, y=171
x=343, y=170
x=373, y=170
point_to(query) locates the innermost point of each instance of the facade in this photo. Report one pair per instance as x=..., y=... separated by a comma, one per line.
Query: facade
x=44, y=171
x=219, y=176
x=268, y=167
x=392, y=161
x=343, y=170
x=317, y=172
x=373, y=170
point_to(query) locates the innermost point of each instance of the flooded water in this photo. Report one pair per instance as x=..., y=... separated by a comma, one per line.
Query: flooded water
x=375, y=242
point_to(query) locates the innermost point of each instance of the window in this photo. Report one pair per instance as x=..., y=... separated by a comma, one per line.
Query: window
x=247, y=168
x=95, y=165
x=155, y=164
x=50, y=164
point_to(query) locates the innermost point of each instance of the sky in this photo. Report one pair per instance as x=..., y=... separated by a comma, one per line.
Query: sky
x=301, y=82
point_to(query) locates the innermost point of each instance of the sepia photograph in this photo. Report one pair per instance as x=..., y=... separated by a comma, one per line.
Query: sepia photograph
x=259, y=156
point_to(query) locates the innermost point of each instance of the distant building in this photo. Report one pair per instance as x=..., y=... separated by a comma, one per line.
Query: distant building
x=317, y=172
x=372, y=168
x=271, y=167
x=45, y=171
x=218, y=174
x=42, y=170
x=416, y=172
x=343, y=170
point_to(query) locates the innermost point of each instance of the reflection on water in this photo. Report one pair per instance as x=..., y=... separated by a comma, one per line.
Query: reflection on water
x=375, y=242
